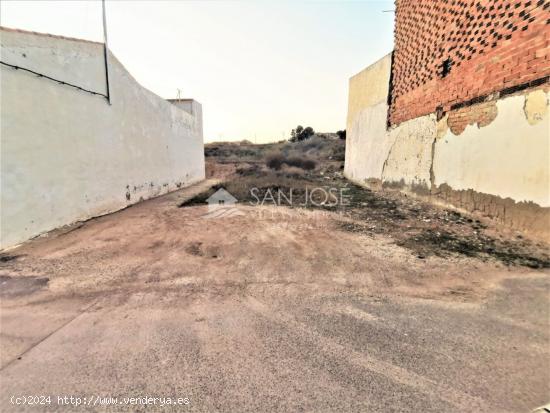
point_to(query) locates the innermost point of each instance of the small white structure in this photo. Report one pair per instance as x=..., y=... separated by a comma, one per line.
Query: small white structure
x=68, y=155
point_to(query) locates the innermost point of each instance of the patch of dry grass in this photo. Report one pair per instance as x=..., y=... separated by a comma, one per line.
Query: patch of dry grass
x=318, y=148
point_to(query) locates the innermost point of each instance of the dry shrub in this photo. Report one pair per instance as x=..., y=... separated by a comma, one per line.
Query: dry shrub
x=275, y=161
x=339, y=153
x=308, y=164
x=251, y=169
x=293, y=172
x=314, y=143
x=303, y=163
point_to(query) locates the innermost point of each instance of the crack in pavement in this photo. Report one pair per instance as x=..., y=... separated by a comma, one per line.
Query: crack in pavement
x=19, y=356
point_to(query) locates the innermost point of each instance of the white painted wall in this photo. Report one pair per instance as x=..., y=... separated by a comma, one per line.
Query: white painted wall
x=510, y=157
x=367, y=143
x=409, y=159
x=67, y=155
x=192, y=107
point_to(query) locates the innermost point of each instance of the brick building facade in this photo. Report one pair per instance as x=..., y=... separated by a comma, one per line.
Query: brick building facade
x=450, y=54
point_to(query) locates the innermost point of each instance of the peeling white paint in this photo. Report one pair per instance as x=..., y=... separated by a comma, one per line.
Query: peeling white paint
x=509, y=157
x=536, y=106
x=410, y=158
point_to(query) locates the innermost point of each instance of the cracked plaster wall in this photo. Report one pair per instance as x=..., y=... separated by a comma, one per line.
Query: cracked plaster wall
x=509, y=157
x=493, y=157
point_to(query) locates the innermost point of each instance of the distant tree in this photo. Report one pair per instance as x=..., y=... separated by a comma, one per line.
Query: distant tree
x=307, y=133
x=341, y=134
x=293, y=135
x=301, y=133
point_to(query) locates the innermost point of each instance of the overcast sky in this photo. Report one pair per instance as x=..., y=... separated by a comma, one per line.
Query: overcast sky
x=259, y=68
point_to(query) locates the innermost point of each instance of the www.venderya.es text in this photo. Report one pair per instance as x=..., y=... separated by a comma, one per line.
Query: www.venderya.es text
x=94, y=400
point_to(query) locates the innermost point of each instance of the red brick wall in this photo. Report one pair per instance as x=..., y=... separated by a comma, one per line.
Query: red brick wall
x=488, y=45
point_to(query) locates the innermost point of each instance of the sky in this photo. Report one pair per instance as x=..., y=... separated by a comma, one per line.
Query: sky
x=259, y=68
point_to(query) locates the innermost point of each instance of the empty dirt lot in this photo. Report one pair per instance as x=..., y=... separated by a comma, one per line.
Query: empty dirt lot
x=274, y=309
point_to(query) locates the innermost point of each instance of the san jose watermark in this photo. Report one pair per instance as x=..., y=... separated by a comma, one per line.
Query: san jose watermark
x=222, y=203
x=316, y=196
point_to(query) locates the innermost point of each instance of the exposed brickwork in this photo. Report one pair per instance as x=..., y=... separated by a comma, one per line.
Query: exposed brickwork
x=482, y=114
x=451, y=51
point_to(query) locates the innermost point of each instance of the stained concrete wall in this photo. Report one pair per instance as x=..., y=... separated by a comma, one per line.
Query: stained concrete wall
x=67, y=155
x=192, y=107
x=509, y=157
x=366, y=136
x=409, y=159
x=498, y=165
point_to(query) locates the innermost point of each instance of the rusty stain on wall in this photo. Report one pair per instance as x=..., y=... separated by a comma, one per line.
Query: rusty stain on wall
x=536, y=106
x=442, y=127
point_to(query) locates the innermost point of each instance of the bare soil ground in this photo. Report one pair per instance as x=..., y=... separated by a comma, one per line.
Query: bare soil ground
x=386, y=305
x=424, y=229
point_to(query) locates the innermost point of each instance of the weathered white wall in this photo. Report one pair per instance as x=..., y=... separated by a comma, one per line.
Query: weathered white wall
x=67, y=155
x=504, y=164
x=409, y=159
x=192, y=107
x=367, y=143
x=510, y=157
